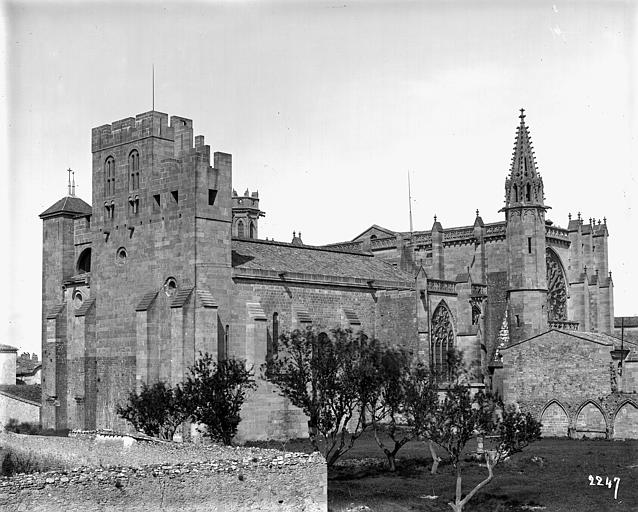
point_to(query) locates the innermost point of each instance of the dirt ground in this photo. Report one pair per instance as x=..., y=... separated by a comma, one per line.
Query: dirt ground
x=552, y=475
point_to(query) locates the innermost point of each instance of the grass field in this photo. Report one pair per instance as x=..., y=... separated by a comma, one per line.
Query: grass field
x=550, y=475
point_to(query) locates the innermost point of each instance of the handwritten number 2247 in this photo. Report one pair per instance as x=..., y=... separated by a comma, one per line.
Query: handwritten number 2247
x=609, y=483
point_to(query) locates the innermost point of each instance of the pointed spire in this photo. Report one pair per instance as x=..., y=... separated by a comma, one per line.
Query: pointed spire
x=524, y=184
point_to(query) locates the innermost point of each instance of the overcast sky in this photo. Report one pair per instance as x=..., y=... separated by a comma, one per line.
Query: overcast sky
x=325, y=107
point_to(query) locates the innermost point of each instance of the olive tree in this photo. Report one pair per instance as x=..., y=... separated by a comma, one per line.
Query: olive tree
x=331, y=378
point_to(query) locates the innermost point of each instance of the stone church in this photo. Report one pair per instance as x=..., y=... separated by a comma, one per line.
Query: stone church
x=167, y=262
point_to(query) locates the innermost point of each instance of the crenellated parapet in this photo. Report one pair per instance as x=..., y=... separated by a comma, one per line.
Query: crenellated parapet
x=132, y=128
x=177, y=129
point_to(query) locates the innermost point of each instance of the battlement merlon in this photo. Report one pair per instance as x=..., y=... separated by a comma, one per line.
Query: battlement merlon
x=150, y=124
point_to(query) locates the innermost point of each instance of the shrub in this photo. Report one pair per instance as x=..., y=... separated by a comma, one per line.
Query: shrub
x=13, y=425
x=158, y=410
x=215, y=392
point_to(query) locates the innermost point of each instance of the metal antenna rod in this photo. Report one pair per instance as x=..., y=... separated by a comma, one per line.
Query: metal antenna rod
x=153, y=105
x=410, y=201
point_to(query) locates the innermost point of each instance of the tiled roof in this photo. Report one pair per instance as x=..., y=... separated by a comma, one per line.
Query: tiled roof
x=7, y=348
x=597, y=337
x=32, y=393
x=69, y=204
x=280, y=257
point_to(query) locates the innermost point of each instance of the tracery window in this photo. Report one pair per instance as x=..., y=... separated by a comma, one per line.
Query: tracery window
x=240, y=229
x=476, y=313
x=442, y=340
x=556, y=287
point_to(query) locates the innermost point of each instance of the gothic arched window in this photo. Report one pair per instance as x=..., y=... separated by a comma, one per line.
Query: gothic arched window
x=442, y=340
x=252, y=230
x=134, y=170
x=109, y=176
x=240, y=229
x=556, y=287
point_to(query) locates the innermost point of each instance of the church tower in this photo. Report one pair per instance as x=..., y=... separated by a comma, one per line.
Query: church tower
x=525, y=234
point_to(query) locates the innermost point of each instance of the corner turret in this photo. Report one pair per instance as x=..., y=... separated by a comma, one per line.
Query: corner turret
x=246, y=214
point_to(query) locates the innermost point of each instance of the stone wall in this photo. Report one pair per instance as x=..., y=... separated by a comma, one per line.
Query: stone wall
x=564, y=380
x=19, y=409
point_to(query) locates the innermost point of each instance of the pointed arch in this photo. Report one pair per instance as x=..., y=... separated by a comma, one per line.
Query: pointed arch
x=591, y=420
x=556, y=286
x=625, y=420
x=240, y=228
x=442, y=340
x=251, y=230
x=554, y=420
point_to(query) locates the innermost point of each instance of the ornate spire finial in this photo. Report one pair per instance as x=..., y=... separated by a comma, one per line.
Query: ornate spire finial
x=605, y=221
x=522, y=116
x=579, y=216
x=435, y=217
x=477, y=212
x=569, y=215
x=73, y=183
x=294, y=234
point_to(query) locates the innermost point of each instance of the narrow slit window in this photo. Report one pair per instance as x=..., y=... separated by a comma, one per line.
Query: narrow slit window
x=529, y=245
x=528, y=192
x=518, y=321
x=212, y=194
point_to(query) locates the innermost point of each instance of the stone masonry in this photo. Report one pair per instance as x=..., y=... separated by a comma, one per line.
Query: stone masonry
x=167, y=263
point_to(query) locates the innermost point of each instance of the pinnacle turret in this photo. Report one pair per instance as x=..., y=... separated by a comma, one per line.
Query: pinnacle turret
x=524, y=185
